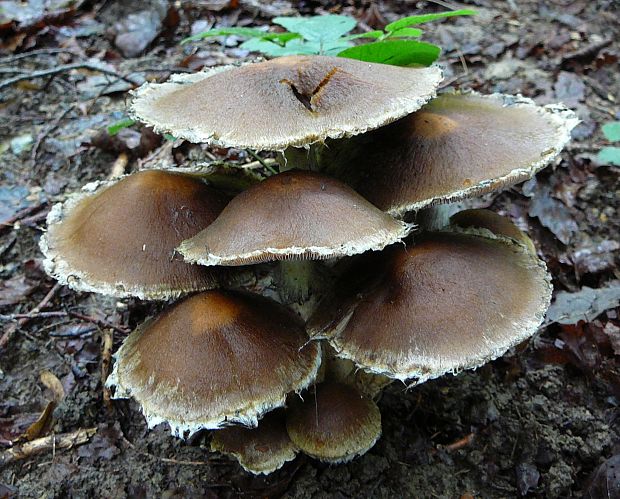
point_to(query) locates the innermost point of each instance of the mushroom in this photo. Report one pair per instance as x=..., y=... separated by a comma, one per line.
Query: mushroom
x=260, y=450
x=333, y=423
x=454, y=301
x=215, y=358
x=296, y=215
x=455, y=147
x=118, y=238
x=494, y=223
x=288, y=101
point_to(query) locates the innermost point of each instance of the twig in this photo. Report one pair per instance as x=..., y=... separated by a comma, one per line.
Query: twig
x=62, y=69
x=33, y=53
x=20, y=215
x=460, y=443
x=261, y=161
x=24, y=320
x=168, y=459
x=46, y=444
x=106, y=359
x=43, y=135
x=57, y=313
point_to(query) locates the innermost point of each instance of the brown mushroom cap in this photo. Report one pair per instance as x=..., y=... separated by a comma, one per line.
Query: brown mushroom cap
x=453, y=301
x=294, y=215
x=494, y=223
x=260, y=450
x=455, y=147
x=119, y=238
x=334, y=423
x=288, y=101
x=213, y=359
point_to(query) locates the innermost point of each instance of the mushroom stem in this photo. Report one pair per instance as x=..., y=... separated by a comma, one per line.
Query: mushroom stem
x=295, y=279
x=300, y=158
x=435, y=217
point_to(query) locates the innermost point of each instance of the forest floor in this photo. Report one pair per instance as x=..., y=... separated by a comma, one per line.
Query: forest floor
x=543, y=421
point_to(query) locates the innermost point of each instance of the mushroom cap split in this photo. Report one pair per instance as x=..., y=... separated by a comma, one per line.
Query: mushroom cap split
x=287, y=101
x=260, y=450
x=294, y=215
x=214, y=359
x=453, y=301
x=334, y=422
x=457, y=146
x=119, y=237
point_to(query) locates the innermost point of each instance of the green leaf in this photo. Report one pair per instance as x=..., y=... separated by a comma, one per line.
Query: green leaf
x=609, y=156
x=114, y=128
x=295, y=47
x=368, y=34
x=395, y=52
x=424, y=18
x=612, y=131
x=318, y=28
x=405, y=33
x=271, y=49
x=247, y=32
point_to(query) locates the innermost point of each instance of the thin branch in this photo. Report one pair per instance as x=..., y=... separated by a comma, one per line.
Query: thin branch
x=46, y=444
x=62, y=69
x=34, y=53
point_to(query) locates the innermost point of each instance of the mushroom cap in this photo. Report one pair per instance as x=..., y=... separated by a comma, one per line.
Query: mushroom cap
x=455, y=147
x=214, y=359
x=260, y=450
x=453, y=301
x=294, y=215
x=119, y=238
x=494, y=223
x=287, y=101
x=334, y=423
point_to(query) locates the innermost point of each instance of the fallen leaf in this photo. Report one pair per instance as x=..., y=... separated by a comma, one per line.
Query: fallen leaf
x=613, y=332
x=584, y=305
x=38, y=428
x=605, y=480
x=552, y=213
x=51, y=382
x=15, y=290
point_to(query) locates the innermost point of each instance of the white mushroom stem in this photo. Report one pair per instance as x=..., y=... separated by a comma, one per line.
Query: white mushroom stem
x=301, y=158
x=295, y=279
x=435, y=217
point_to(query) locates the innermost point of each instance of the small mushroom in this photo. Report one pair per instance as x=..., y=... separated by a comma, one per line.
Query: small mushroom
x=296, y=215
x=494, y=223
x=455, y=147
x=288, y=101
x=453, y=301
x=119, y=238
x=260, y=450
x=333, y=423
x=214, y=359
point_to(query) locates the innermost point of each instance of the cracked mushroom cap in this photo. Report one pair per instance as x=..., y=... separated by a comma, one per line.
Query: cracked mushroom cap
x=287, y=101
x=260, y=450
x=214, y=359
x=294, y=215
x=119, y=238
x=457, y=146
x=334, y=423
x=453, y=301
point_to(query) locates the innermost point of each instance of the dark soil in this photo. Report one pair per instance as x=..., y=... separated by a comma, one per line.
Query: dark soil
x=535, y=423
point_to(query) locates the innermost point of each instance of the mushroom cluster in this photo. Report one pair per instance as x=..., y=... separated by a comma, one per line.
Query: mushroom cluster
x=369, y=159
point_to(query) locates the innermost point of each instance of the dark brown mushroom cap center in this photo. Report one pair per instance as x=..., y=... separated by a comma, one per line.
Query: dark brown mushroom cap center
x=450, y=298
x=128, y=232
x=218, y=346
x=454, y=143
